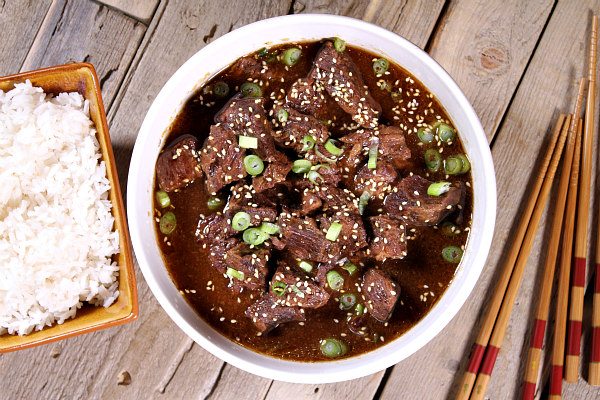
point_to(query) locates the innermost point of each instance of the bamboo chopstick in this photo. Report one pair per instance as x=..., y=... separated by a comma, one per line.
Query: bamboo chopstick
x=481, y=342
x=532, y=366
x=581, y=236
x=594, y=372
x=562, y=301
x=499, y=329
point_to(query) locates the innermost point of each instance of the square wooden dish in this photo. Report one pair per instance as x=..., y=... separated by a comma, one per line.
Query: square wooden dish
x=82, y=78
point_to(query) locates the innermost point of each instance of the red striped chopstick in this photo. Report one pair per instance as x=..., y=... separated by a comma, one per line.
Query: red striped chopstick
x=581, y=236
x=499, y=329
x=481, y=342
x=594, y=372
x=532, y=365
x=560, y=328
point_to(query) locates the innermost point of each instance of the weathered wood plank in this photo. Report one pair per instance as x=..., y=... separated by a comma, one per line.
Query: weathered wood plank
x=242, y=385
x=414, y=20
x=87, y=31
x=21, y=21
x=138, y=9
x=548, y=86
x=485, y=47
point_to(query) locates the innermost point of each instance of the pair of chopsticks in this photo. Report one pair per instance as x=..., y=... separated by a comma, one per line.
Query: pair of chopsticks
x=568, y=136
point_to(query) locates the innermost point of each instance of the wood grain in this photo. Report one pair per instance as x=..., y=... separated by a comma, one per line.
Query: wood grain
x=21, y=20
x=104, y=37
x=485, y=46
x=547, y=87
x=138, y=9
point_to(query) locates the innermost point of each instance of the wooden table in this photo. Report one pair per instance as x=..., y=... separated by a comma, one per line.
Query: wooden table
x=517, y=61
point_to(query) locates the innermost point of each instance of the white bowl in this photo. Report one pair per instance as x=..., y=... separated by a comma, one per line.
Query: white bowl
x=214, y=58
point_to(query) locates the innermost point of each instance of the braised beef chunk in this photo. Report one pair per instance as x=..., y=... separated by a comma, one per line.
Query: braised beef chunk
x=291, y=288
x=222, y=159
x=343, y=81
x=245, y=198
x=380, y=294
x=267, y=314
x=410, y=203
x=352, y=237
x=178, y=164
x=393, y=148
x=357, y=145
x=213, y=228
x=249, y=68
x=293, y=126
x=389, y=238
x=305, y=241
x=377, y=182
x=335, y=199
x=274, y=173
x=247, y=117
x=217, y=253
x=250, y=267
x=309, y=202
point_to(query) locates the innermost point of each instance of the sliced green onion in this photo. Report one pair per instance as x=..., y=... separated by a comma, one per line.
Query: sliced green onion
x=385, y=85
x=163, y=199
x=339, y=44
x=466, y=164
x=452, y=254
x=282, y=115
x=296, y=290
x=234, y=273
x=453, y=165
x=363, y=201
x=308, y=142
x=324, y=157
x=332, y=148
x=425, y=135
x=254, y=236
x=305, y=266
x=278, y=288
x=347, y=301
x=263, y=52
x=333, y=348
x=269, y=228
x=380, y=66
x=313, y=176
x=250, y=89
x=301, y=166
x=335, y=280
x=247, y=142
x=350, y=267
x=214, y=203
x=241, y=221
x=167, y=223
x=373, y=150
x=445, y=132
x=433, y=160
x=334, y=231
x=221, y=89
x=438, y=188
x=449, y=229
x=291, y=56
x=253, y=165
x=360, y=309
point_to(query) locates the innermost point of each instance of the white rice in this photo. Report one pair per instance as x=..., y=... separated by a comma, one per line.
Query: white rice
x=56, y=226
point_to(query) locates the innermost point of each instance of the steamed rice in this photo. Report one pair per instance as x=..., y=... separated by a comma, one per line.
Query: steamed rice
x=56, y=226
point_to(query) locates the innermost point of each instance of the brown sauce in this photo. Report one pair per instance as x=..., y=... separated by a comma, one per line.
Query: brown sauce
x=423, y=275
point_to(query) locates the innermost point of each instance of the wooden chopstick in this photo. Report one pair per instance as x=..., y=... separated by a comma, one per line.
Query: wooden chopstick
x=594, y=372
x=532, y=365
x=562, y=296
x=499, y=328
x=581, y=235
x=476, y=356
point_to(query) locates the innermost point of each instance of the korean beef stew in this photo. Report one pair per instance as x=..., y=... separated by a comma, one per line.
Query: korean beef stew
x=313, y=201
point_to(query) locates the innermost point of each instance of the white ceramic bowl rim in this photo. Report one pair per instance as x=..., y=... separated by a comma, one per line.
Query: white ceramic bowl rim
x=218, y=55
